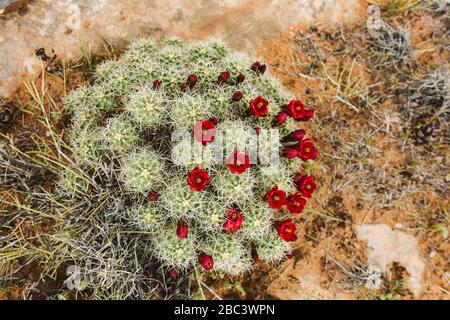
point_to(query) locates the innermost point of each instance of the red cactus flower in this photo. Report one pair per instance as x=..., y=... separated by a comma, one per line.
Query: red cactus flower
x=240, y=78
x=280, y=119
x=238, y=162
x=182, y=230
x=173, y=274
x=276, y=198
x=204, y=131
x=296, y=135
x=306, y=150
x=259, y=107
x=152, y=196
x=224, y=76
x=197, y=179
x=237, y=96
x=206, y=261
x=156, y=84
x=286, y=230
x=213, y=120
x=184, y=86
x=296, y=203
x=297, y=110
x=289, y=153
x=192, y=80
x=305, y=184
x=258, y=131
x=233, y=221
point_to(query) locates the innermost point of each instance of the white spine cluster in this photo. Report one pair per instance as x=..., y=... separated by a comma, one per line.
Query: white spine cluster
x=141, y=170
x=146, y=107
x=174, y=251
x=120, y=135
x=180, y=201
x=238, y=187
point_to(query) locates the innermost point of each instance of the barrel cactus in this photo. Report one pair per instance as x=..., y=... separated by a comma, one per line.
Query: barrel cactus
x=190, y=134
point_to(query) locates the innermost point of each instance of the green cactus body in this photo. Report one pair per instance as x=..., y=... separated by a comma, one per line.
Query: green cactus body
x=124, y=121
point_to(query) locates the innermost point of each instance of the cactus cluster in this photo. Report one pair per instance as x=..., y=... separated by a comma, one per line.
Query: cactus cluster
x=194, y=209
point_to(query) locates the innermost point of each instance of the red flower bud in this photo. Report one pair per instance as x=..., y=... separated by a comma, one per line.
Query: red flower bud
x=255, y=66
x=173, y=274
x=213, y=120
x=258, y=131
x=182, y=230
x=280, y=119
x=240, y=78
x=258, y=67
x=262, y=68
x=255, y=256
x=156, y=84
x=152, y=196
x=184, y=86
x=224, y=76
x=192, y=80
x=237, y=96
x=206, y=261
x=308, y=114
x=289, y=153
x=296, y=135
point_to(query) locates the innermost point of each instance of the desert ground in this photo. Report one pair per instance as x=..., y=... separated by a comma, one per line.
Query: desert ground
x=378, y=225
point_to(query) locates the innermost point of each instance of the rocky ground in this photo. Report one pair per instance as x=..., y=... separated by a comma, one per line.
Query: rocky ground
x=61, y=26
x=378, y=226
